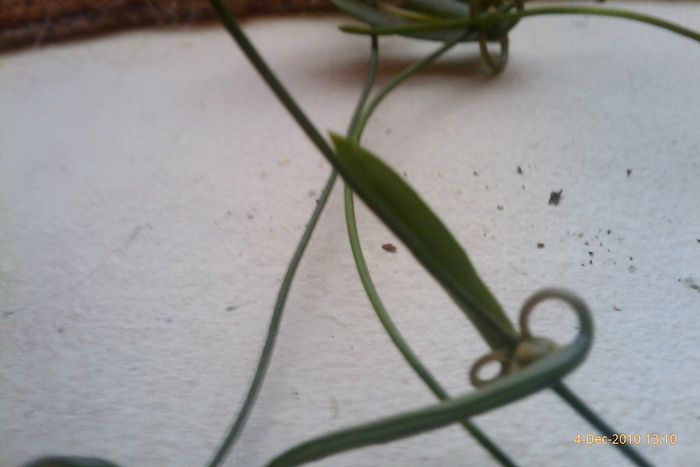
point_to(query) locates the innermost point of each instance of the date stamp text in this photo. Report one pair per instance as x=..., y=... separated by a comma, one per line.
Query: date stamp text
x=651, y=439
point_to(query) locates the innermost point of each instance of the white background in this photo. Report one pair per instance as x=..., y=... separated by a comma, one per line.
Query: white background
x=153, y=191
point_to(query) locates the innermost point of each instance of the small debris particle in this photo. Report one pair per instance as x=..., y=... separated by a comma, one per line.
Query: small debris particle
x=389, y=247
x=616, y=308
x=499, y=207
x=698, y=240
x=519, y=170
x=312, y=193
x=476, y=174
x=555, y=197
x=590, y=253
x=590, y=261
x=405, y=174
x=585, y=243
x=250, y=216
x=60, y=330
x=609, y=231
x=631, y=269
x=631, y=259
x=540, y=245
x=629, y=172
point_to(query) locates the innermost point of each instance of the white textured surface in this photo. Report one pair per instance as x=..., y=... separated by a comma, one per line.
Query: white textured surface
x=153, y=191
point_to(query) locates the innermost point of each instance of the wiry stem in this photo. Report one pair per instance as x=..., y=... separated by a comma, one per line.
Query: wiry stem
x=489, y=20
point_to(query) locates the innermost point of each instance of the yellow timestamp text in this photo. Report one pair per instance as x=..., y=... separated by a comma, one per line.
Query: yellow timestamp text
x=652, y=439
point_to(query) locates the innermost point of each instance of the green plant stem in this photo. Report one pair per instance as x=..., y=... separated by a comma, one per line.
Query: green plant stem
x=626, y=448
x=486, y=321
x=273, y=329
x=355, y=131
x=496, y=18
x=357, y=121
x=396, y=337
x=285, y=98
x=356, y=134
x=526, y=381
x=387, y=322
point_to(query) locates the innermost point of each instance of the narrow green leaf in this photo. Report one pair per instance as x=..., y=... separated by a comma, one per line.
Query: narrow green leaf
x=404, y=212
x=377, y=18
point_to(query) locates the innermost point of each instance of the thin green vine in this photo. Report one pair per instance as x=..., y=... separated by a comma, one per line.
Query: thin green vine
x=490, y=20
x=398, y=427
x=529, y=364
x=528, y=380
x=354, y=133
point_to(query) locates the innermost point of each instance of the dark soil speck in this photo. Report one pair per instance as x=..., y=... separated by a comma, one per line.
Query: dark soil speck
x=555, y=197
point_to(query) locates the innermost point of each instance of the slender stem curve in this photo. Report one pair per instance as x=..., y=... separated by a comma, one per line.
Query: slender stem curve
x=573, y=400
x=547, y=372
x=273, y=329
x=541, y=374
x=359, y=121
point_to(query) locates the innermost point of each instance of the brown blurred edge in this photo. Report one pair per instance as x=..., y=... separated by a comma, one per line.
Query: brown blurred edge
x=30, y=23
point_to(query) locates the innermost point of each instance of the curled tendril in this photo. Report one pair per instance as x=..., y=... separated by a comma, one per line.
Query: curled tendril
x=412, y=13
x=484, y=8
x=540, y=373
x=529, y=348
x=535, y=363
x=382, y=14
